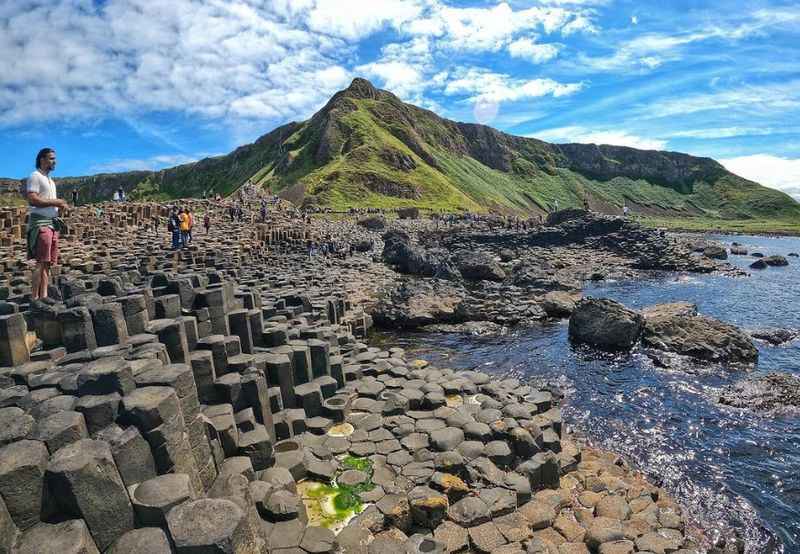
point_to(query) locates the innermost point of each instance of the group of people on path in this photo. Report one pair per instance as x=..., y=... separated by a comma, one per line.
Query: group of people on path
x=181, y=223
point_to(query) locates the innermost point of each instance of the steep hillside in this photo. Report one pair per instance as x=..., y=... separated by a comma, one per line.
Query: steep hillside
x=366, y=147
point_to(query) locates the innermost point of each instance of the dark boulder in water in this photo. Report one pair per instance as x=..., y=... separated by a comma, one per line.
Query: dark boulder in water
x=775, y=261
x=775, y=336
x=758, y=264
x=774, y=391
x=605, y=324
x=677, y=328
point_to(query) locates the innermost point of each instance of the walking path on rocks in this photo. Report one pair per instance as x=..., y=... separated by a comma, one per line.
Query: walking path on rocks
x=220, y=398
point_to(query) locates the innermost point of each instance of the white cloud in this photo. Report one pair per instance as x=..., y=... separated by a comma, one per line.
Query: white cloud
x=649, y=51
x=229, y=59
x=773, y=171
x=493, y=28
x=527, y=49
x=482, y=85
x=723, y=132
x=754, y=99
x=399, y=77
x=147, y=164
x=356, y=19
x=582, y=134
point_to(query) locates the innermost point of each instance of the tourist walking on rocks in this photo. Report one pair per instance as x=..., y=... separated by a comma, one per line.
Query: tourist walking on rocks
x=174, y=227
x=207, y=221
x=183, y=217
x=44, y=225
x=624, y=210
x=190, y=218
x=74, y=197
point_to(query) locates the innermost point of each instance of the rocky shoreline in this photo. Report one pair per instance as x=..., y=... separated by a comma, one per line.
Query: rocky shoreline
x=224, y=397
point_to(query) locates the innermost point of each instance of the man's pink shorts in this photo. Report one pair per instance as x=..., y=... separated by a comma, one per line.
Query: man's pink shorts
x=47, y=245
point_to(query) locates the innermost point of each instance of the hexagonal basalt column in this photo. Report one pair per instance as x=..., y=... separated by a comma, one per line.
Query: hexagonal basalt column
x=211, y=525
x=22, y=470
x=86, y=484
x=154, y=498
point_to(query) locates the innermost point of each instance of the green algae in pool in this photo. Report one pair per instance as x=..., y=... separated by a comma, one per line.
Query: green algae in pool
x=361, y=464
x=334, y=505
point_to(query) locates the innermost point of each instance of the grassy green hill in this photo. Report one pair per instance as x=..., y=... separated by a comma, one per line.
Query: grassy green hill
x=368, y=148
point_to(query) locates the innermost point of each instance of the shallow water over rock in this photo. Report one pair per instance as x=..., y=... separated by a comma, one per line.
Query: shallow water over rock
x=729, y=467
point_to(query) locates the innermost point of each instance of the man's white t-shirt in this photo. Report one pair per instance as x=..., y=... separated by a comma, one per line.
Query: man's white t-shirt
x=46, y=188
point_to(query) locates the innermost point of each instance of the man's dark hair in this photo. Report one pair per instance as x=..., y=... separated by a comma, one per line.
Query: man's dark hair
x=43, y=153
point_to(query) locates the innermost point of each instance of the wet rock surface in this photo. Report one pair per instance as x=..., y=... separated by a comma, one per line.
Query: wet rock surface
x=771, y=392
x=682, y=332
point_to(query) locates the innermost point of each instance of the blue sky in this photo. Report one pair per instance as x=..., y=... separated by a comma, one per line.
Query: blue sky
x=134, y=84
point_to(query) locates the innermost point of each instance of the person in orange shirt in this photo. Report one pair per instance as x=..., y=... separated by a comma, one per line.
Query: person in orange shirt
x=183, y=217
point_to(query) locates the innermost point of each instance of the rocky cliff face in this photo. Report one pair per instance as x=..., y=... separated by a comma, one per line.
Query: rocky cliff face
x=670, y=169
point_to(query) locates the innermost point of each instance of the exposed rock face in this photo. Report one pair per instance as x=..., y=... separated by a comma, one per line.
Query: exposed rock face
x=673, y=169
x=775, y=336
x=373, y=222
x=775, y=261
x=479, y=266
x=416, y=303
x=669, y=310
x=773, y=391
x=412, y=259
x=605, y=324
x=676, y=328
x=558, y=304
x=715, y=252
x=541, y=277
x=561, y=216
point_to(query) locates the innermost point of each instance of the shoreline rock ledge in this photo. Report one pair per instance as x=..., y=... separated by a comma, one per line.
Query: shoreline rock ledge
x=674, y=329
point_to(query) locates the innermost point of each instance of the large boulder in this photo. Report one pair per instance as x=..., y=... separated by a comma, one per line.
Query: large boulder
x=715, y=252
x=373, y=222
x=412, y=259
x=605, y=324
x=679, y=330
x=414, y=303
x=558, y=304
x=775, y=261
x=774, y=391
x=479, y=266
x=775, y=336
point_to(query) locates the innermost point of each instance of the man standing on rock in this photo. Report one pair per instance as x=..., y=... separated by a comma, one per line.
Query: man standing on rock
x=44, y=224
